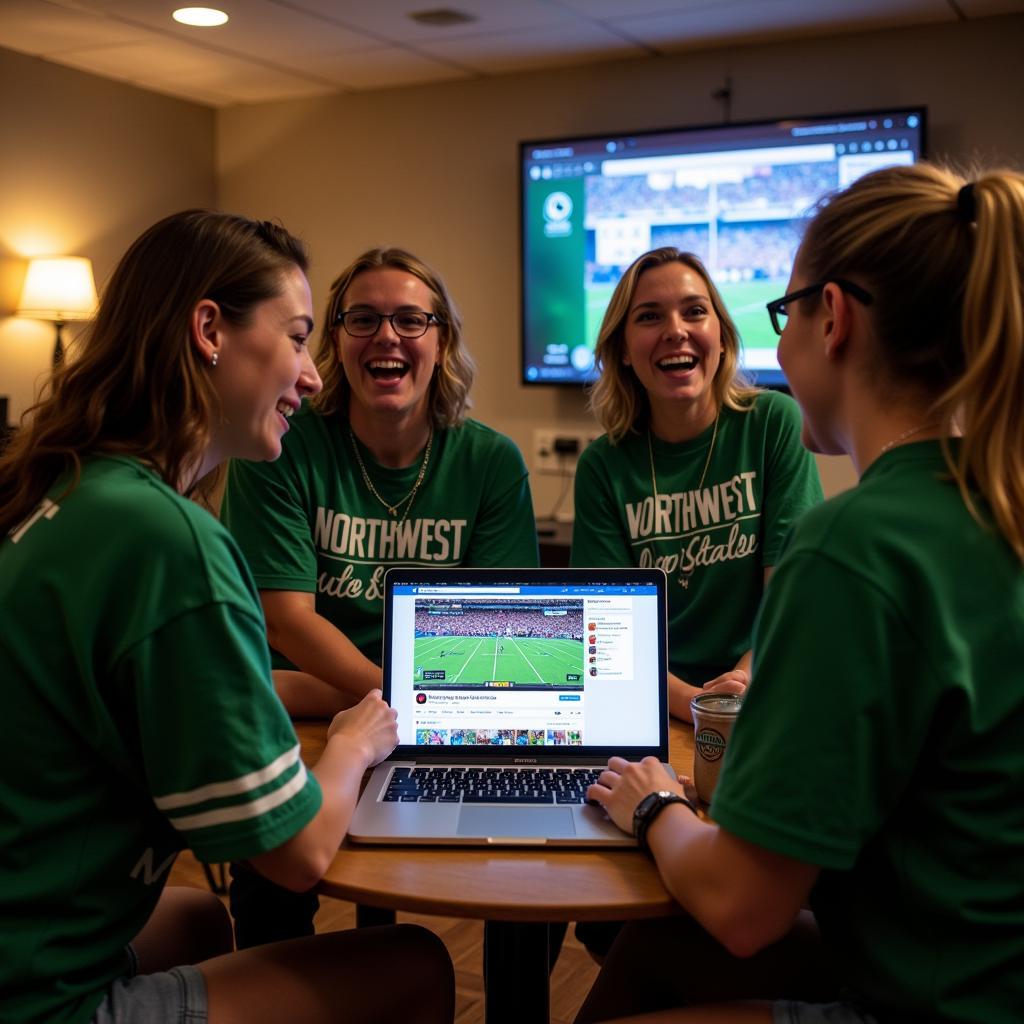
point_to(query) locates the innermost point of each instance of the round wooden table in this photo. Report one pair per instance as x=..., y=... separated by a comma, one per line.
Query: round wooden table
x=518, y=892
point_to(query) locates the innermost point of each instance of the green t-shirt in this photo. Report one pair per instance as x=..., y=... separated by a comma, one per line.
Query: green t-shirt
x=714, y=541
x=883, y=740
x=307, y=522
x=138, y=718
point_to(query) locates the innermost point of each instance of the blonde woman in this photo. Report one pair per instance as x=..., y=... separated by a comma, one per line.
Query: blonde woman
x=875, y=769
x=384, y=469
x=697, y=472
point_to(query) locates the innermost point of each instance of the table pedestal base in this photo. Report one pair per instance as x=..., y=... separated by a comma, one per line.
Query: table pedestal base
x=516, y=972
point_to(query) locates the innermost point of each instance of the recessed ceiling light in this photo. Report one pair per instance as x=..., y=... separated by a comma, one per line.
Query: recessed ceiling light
x=442, y=17
x=200, y=17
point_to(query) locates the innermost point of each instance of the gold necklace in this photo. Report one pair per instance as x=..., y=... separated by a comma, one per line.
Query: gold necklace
x=707, y=461
x=906, y=433
x=684, y=574
x=408, y=499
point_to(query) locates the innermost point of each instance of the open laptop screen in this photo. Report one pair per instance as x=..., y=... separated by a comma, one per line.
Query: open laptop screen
x=564, y=662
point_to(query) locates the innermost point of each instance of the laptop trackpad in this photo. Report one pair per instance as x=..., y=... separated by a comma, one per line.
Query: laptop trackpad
x=516, y=822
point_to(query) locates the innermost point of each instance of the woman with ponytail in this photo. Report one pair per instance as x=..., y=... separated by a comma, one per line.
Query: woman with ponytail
x=875, y=772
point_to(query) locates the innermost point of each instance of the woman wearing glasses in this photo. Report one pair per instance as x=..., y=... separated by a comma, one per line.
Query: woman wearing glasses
x=875, y=769
x=697, y=472
x=383, y=469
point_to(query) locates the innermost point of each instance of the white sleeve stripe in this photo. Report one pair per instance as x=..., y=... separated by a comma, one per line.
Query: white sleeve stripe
x=241, y=812
x=233, y=787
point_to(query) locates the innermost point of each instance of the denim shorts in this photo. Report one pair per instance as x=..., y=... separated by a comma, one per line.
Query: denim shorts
x=177, y=996
x=787, y=1011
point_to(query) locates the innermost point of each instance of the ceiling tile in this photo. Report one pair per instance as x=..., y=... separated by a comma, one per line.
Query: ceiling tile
x=37, y=28
x=390, y=20
x=519, y=51
x=745, y=20
x=258, y=28
x=382, y=68
x=182, y=70
x=616, y=9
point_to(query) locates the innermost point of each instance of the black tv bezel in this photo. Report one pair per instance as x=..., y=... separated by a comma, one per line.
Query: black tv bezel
x=920, y=109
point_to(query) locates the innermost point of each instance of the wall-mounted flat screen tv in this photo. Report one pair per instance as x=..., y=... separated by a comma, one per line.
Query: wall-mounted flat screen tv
x=737, y=195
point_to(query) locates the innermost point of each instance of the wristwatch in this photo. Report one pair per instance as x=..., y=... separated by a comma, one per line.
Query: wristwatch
x=649, y=808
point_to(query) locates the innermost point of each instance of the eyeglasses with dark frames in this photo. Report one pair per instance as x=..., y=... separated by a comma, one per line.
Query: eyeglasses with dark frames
x=777, y=307
x=365, y=323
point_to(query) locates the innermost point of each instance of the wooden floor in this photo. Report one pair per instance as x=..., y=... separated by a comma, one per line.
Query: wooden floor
x=573, y=975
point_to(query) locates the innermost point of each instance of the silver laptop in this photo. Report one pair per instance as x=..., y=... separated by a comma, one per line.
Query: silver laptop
x=513, y=688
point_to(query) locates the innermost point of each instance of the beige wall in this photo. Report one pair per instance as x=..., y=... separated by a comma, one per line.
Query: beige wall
x=85, y=165
x=334, y=169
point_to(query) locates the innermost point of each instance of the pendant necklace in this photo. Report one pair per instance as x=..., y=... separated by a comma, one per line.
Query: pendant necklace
x=684, y=574
x=410, y=497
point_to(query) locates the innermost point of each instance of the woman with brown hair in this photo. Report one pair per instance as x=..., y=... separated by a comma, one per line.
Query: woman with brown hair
x=140, y=715
x=875, y=770
x=698, y=473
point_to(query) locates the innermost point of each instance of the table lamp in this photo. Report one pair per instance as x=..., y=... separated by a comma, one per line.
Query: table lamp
x=60, y=289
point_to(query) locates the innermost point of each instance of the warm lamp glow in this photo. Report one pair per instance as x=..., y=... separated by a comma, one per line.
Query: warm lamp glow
x=58, y=289
x=200, y=17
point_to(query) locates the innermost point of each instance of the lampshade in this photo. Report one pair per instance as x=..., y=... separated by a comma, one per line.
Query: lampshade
x=59, y=289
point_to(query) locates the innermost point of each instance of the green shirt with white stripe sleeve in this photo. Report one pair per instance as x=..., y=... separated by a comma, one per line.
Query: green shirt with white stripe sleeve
x=139, y=718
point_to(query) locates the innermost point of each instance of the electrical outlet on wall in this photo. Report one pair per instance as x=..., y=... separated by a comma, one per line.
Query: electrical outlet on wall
x=556, y=450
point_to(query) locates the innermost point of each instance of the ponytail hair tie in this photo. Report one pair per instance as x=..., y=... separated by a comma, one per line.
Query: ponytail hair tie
x=965, y=204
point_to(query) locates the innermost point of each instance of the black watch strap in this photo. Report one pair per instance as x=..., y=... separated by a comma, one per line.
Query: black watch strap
x=648, y=810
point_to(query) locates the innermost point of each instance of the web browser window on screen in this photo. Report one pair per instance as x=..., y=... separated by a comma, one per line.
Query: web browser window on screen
x=525, y=665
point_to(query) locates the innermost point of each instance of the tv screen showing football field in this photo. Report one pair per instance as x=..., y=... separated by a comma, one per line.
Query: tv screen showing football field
x=736, y=195
x=511, y=645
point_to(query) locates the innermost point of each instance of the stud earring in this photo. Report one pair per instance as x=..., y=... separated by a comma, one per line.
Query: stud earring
x=213, y=360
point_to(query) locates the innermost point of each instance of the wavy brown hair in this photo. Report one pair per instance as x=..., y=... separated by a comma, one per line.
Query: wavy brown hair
x=448, y=399
x=134, y=383
x=946, y=271
x=617, y=398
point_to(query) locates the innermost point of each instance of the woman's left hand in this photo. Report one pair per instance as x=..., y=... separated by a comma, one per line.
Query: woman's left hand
x=733, y=681
x=623, y=784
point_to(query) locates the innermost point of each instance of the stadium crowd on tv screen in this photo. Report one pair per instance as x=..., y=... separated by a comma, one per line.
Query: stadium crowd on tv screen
x=735, y=195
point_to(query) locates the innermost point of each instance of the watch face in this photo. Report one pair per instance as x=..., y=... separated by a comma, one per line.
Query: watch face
x=646, y=804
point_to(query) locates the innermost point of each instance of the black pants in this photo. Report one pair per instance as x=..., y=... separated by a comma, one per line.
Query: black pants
x=597, y=936
x=266, y=912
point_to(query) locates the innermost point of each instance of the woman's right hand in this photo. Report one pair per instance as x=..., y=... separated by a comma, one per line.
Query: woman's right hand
x=371, y=726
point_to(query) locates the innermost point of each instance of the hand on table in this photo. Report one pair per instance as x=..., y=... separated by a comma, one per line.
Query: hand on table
x=371, y=725
x=733, y=681
x=623, y=784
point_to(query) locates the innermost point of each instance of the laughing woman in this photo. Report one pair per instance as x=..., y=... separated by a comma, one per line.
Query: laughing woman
x=384, y=469
x=139, y=715
x=697, y=472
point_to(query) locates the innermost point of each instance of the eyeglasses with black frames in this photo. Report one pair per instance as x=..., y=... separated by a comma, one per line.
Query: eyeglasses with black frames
x=365, y=323
x=777, y=307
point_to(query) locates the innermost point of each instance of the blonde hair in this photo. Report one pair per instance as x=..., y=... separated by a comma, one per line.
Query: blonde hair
x=617, y=398
x=136, y=385
x=449, y=388
x=945, y=265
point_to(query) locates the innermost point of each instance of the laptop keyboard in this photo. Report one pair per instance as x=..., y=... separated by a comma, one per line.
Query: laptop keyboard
x=490, y=785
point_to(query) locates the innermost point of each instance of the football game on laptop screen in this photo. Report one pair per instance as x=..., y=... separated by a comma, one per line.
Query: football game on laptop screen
x=555, y=665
